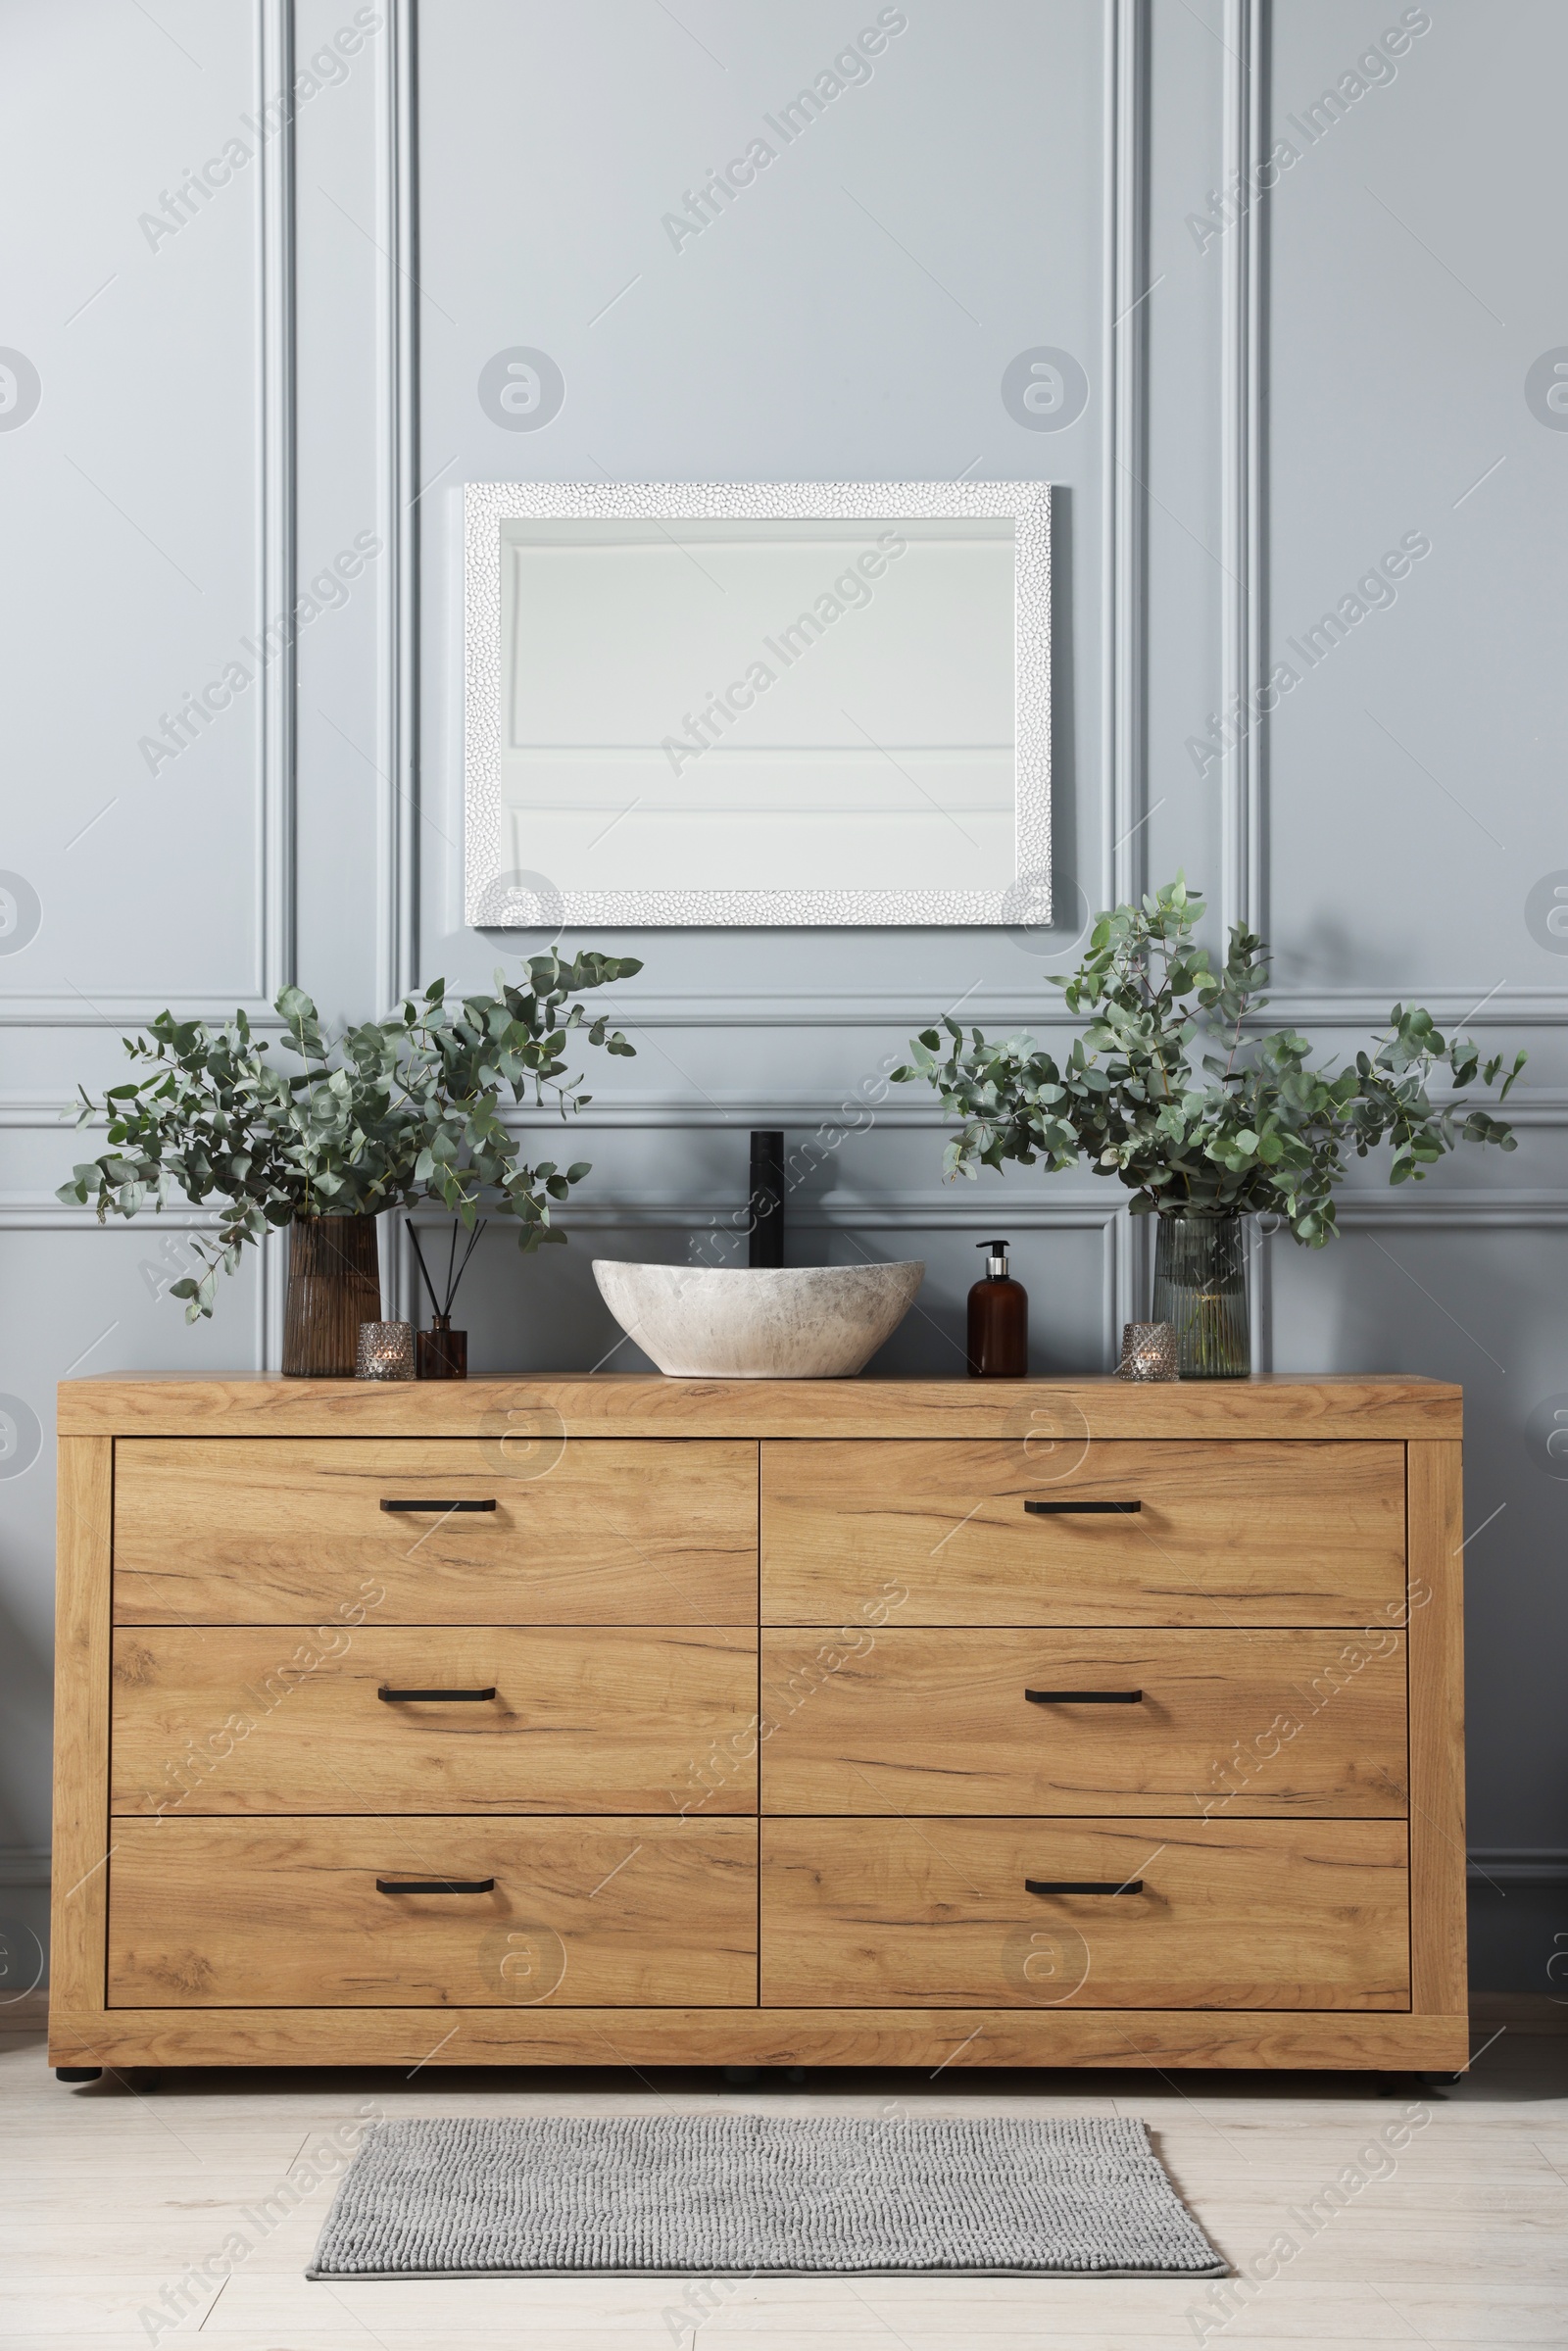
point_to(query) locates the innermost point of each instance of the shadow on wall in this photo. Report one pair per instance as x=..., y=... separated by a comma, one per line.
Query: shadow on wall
x=1519, y=1938
x=25, y=1680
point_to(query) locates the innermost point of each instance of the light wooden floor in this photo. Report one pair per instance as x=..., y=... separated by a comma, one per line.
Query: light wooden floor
x=1461, y=2237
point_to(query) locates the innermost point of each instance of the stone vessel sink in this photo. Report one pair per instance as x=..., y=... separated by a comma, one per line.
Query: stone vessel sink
x=810, y=1322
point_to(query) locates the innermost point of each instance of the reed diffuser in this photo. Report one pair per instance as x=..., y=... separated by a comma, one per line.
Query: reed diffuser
x=442, y=1352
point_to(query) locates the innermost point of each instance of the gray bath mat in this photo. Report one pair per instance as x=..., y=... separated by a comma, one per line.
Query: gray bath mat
x=749, y=2194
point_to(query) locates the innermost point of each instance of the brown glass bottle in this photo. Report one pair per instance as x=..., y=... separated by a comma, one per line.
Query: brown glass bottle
x=442, y=1354
x=999, y=1320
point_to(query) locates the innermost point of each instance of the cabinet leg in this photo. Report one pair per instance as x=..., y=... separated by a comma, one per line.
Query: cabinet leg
x=78, y=2073
x=1412, y=2085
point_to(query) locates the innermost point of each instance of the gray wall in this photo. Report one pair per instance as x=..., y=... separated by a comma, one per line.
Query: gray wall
x=1273, y=404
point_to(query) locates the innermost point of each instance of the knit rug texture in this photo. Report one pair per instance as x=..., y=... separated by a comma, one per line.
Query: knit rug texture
x=759, y=2195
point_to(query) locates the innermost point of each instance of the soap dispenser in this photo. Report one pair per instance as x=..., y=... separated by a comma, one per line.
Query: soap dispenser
x=999, y=1320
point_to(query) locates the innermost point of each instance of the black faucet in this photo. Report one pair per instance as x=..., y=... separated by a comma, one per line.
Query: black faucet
x=764, y=1222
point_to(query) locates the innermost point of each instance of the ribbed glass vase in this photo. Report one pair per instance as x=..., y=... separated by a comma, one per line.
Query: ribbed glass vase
x=334, y=1284
x=1200, y=1286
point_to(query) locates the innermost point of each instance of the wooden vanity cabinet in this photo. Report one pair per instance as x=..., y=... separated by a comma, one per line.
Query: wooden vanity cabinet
x=893, y=1722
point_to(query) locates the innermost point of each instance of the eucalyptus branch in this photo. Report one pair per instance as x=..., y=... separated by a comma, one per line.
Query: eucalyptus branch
x=398, y=1110
x=1262, y=1130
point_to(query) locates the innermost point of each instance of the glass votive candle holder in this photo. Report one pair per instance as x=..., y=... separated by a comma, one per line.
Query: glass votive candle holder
x=385, y=1351
x=1147, y=1351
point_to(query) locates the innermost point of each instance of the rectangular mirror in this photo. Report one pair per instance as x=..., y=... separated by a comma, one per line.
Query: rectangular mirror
x=757, y=703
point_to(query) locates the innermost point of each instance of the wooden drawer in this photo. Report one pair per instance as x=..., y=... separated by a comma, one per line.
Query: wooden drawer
x=215, y=1914
x=258, y=1719
x=933, y=1912
x=1260, y=1534
x=910, y=1720
x=291, y=1530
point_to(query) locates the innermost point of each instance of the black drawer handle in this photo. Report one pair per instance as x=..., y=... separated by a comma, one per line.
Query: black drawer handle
x=1070, y=1510
x=1081, y=1886
x=1074, y=1698
x=435, y=1886
x=397, y=1697
x=438, y=1506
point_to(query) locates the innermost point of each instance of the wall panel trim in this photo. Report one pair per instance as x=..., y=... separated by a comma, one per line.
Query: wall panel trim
x=22, y=1865
x=53, y=1216
x=277, y=518
x=1494, y=1007
x=112, y=1011
x=1123, y=681
x=1243, y=479
x=397, y=359
x=274, y=861
x=1520, y=1864
x=397, y=897
x=1123, y=584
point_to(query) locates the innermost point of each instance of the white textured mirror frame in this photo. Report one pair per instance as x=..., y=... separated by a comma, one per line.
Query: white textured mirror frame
x=848, y=862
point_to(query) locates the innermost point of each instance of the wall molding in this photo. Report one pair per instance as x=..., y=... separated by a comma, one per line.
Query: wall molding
x=40, y=1213
x=956, y=1204
x=398, y=763
x=1243, y=500
x=127, y=1012
x=1242, y=481
x=839, y=1008
x=1519, y=1865
x=859, y=1007
x=278, y=706
x=398, y=363
x=23, y=1865
x=54, y=1114
x=49, y=1215
x=1544, y=1107
x=1474, y=1211
x=908, y=1210
x=279, y=507
x=276, y=499
x=724, y=1113
x=1456, y=1007
x=1124, y=367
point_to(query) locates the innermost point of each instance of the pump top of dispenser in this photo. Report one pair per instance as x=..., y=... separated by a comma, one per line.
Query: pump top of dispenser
x=995, y=1259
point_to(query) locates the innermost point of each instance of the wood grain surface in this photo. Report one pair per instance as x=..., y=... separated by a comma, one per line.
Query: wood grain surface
x=79, y=1861
x=1259, y=1534
x=289, y=1719
x=926, y=1719
x=1437, y=1728
x=288, y=1531
x=1257, y=1600
x=217, y=1913
x=1256, y=1914
x=931, y=2037
x=640, y=1405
